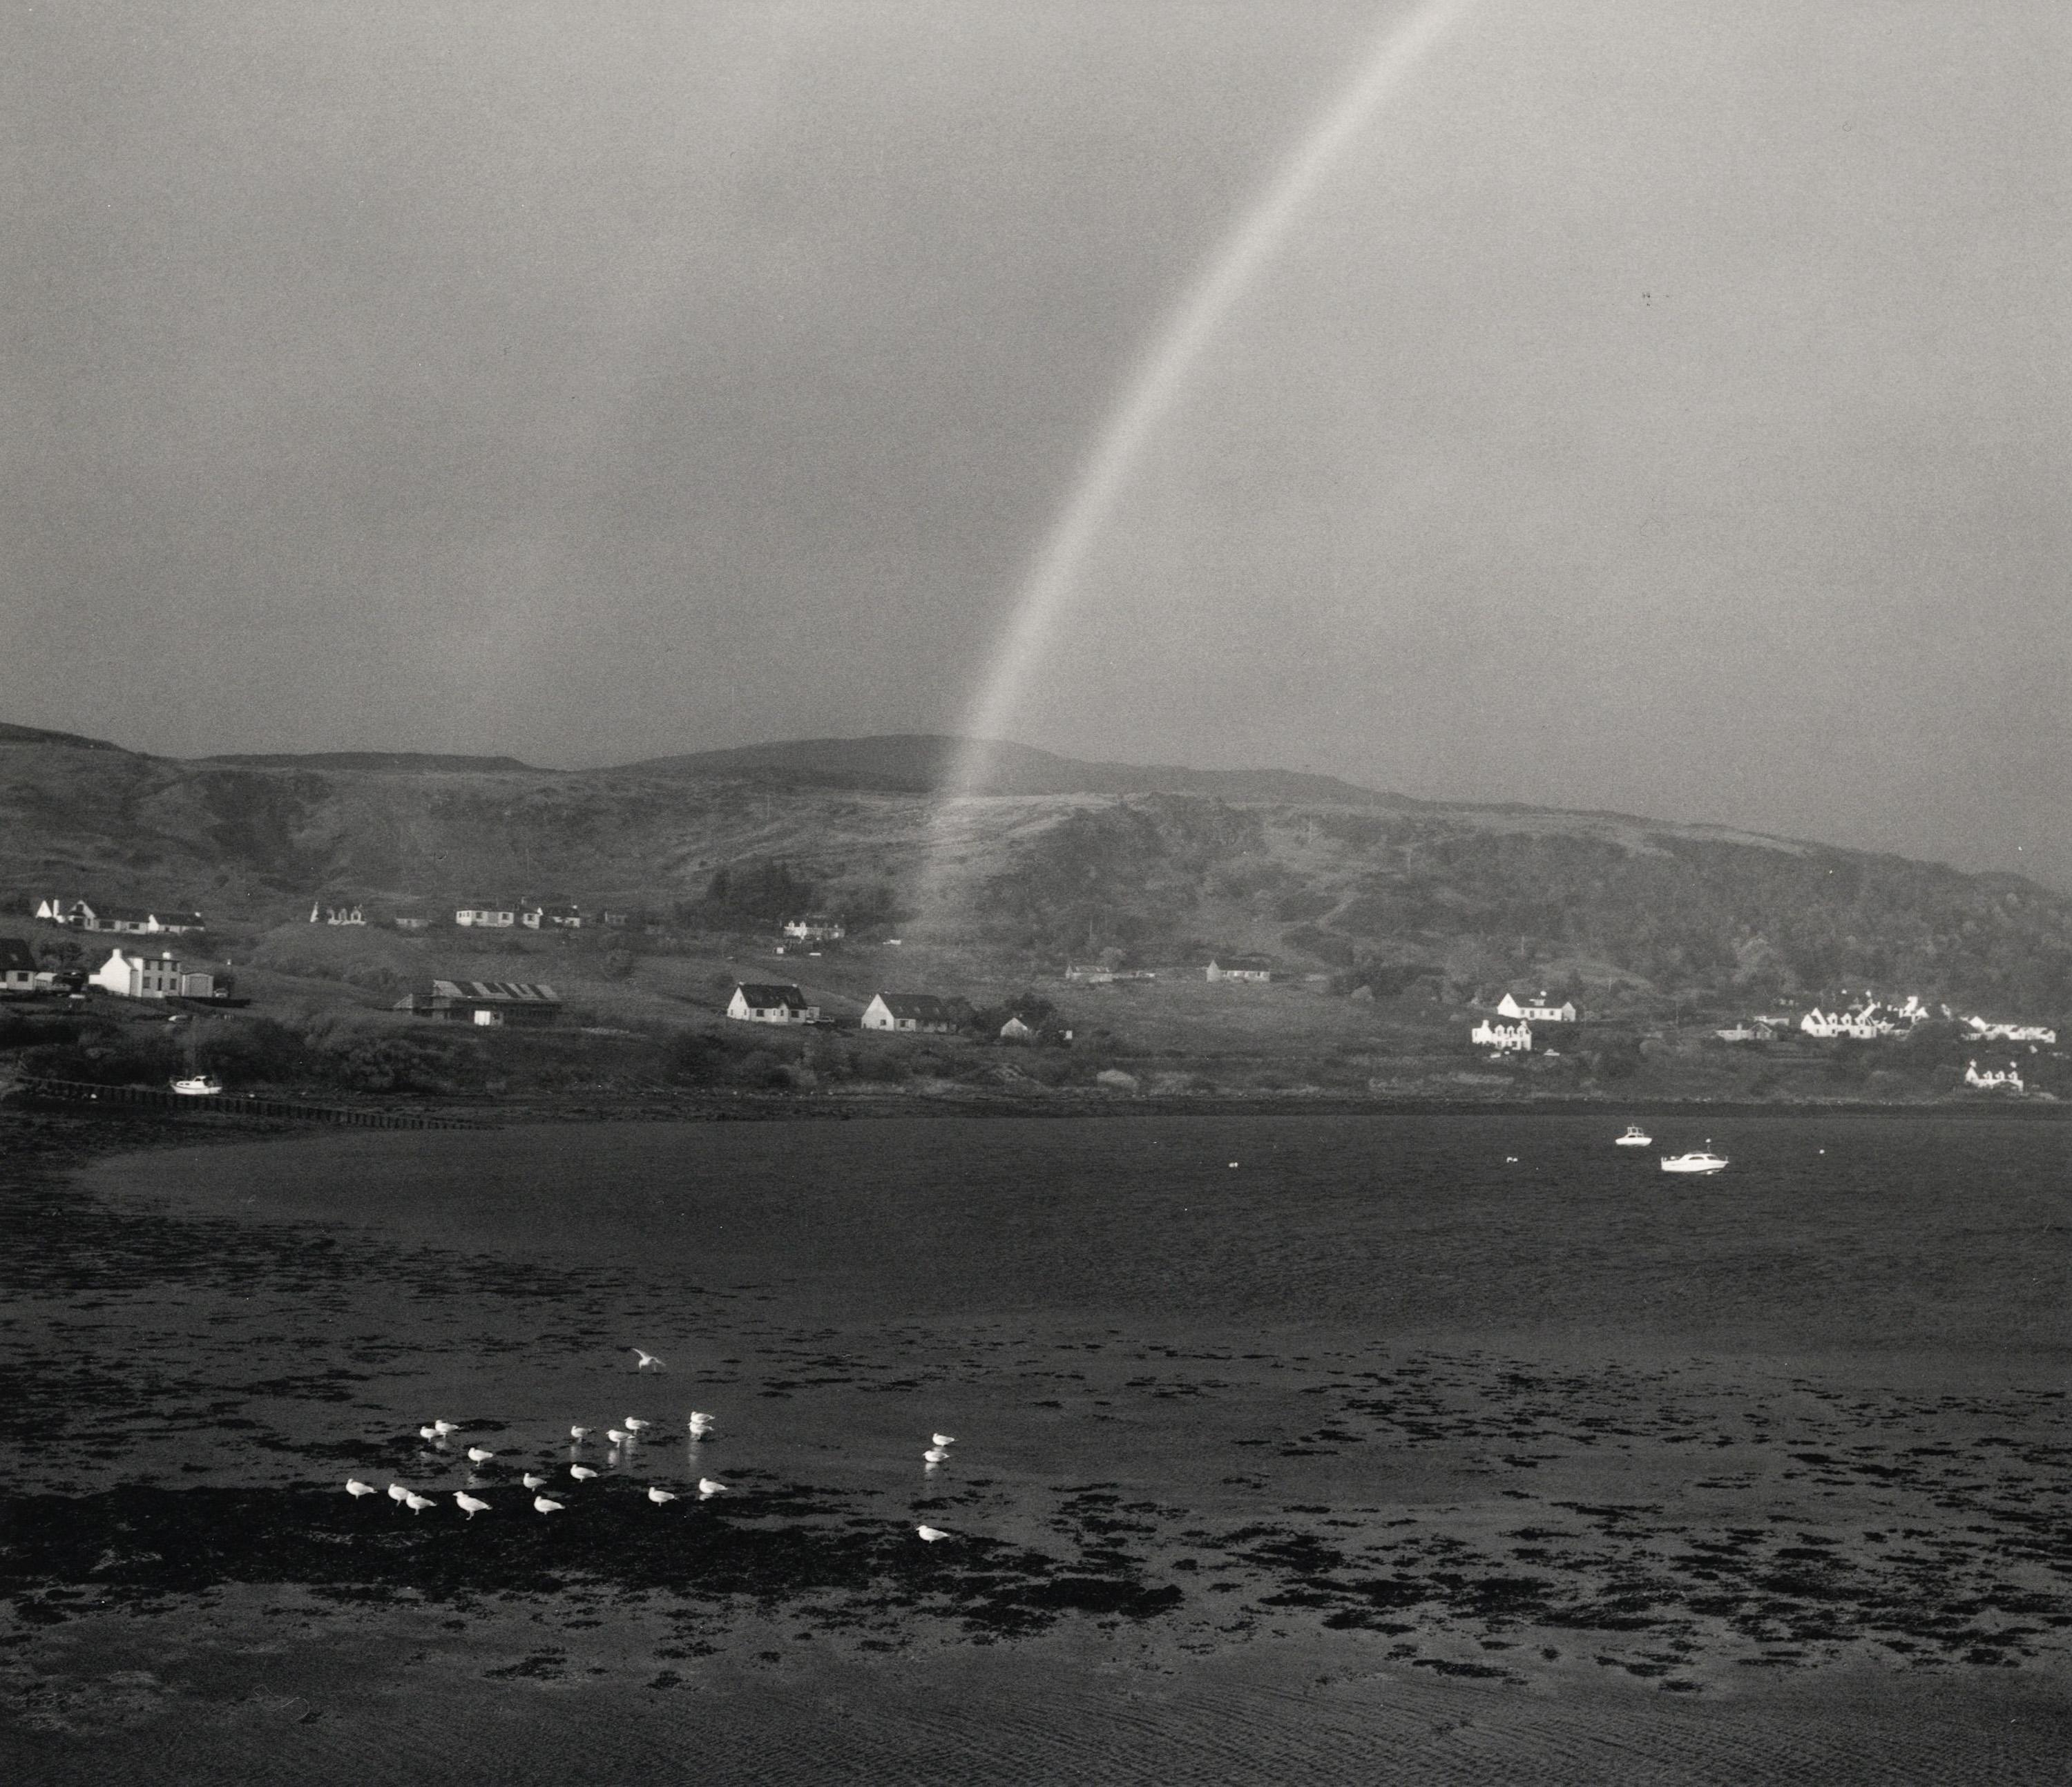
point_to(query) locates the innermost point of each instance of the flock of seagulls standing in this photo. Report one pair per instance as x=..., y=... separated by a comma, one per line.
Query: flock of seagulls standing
x=622, y=1437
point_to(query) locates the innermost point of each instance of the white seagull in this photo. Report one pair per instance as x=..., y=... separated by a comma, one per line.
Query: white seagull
x=398, y=1493
x=701, y=1424
x=578, y=1434
x=545, y=1506
x=470, y=1505
x=431, y=1434
x=936, y=1454
x=617, y=1435
x=533, y=1480
x=583, y=1474
x=480, y=1455
x=711, y=1485
x=416, y=1504
x=929, y=1534
x=659, y=1496
x=648, y=1361
x=633, y=1423
x=356, y=1488
x=942, y=1439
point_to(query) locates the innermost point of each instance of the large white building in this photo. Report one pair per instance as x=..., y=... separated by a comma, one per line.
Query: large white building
x=142, y=976
x=485, y=917
x=1984, y=1030
x=1541, y=1009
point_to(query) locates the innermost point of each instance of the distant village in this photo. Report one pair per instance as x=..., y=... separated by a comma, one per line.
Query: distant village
x=142, y=964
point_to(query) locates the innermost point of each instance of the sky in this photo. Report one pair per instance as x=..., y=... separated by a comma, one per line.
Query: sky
x=1646, y=404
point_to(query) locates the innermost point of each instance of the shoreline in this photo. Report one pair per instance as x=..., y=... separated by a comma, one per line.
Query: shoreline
x=792, y=1107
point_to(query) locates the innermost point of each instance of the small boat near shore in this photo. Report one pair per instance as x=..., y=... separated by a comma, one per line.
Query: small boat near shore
x=1698, y=1160
x=198, y=1085
x=1634, y=1137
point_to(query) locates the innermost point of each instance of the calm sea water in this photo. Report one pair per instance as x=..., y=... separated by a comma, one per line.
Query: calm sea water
x=1485, y=1398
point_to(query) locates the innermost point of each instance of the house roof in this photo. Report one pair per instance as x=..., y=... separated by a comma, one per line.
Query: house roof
x=166, y=917
x=1252, y=962
x=496, y=993
x=923, y=1008
x=15, y=956
x=771, y=992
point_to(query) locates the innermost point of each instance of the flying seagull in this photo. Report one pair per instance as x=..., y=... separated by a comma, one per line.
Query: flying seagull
x=648, y=1361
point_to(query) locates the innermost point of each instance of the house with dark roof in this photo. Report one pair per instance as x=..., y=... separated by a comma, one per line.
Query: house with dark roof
x=132, y=920
x=1257, y=968
x=488, y=1003
x=770, y=1002
x=921, y=1012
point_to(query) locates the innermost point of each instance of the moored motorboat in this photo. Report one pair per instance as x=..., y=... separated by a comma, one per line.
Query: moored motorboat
x=198, y=1085
x=1698, y=1160
x=1634, y=1137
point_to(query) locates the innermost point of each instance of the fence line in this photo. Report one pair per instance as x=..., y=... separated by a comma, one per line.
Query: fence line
x=153, y=1097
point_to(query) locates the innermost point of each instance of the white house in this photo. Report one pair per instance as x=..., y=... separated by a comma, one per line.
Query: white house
x=143, y=976
x=769, y=1002
x=1254, y=968
x=1864, y=1023
x=1983, y=1031
x=921, y=1012
x=486, y=918
x=132, y=920
x=1491, y=1033
x=323, y=915
x=552, y=917
x=1540, y=1010
x=814, y=928
x=2010, y=1080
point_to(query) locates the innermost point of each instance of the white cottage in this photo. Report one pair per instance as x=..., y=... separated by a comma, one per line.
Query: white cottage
x=1493, y=1033
x=920, y=1011
x=769, y=1002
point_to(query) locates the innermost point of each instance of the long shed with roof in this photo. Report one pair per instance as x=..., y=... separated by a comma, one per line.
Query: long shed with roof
x=486, y=1002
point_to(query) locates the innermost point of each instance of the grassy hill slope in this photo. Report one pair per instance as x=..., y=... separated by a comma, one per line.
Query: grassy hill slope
x=1016, y=884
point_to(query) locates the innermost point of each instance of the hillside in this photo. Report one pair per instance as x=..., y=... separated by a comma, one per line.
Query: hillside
x=1370, y=887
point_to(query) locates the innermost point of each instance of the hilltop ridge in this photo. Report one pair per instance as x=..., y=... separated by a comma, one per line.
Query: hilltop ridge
x=1056, y=861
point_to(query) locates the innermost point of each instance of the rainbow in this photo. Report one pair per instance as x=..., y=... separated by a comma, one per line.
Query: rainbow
x=1184, y=334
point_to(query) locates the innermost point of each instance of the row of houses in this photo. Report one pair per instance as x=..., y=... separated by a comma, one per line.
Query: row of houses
x=104, y=915
x=900, y=1013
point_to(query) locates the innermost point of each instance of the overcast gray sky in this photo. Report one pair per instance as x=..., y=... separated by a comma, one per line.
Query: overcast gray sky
x=1653, y=405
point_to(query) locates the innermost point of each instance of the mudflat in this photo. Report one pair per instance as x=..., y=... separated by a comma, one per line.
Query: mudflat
x=1446, y=1448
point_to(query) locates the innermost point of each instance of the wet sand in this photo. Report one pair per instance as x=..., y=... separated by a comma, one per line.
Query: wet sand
x=1376, y=1455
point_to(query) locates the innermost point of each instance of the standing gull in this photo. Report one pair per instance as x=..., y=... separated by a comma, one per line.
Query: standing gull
x=929, y=1534
x=583, y=1474
x=355, y=1488
x=659, y=1496
x=545, y=1506
x=470, y=1505
x=480, y=1455
x=710, y=1486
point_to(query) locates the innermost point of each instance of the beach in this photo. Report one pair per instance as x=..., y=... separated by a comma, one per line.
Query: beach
x=1453, y=1446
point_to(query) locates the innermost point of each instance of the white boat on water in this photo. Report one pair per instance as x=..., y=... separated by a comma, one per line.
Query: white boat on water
x=1699, y=1159
x=1634, y=1137
x=198, y=1085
